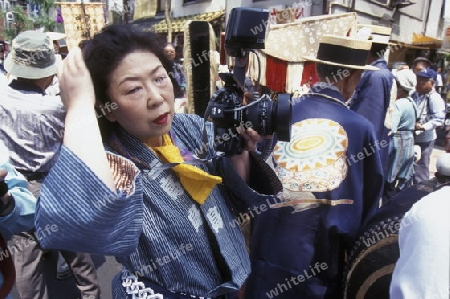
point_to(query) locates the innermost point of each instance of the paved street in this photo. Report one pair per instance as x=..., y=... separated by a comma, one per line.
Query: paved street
x=107, y=267
x=438, y=150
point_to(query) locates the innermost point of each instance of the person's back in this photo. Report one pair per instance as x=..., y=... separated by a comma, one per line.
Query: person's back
x=373, y=94
x=33, y=130
x=332, y=178
x=402, y=116
x=32, y=126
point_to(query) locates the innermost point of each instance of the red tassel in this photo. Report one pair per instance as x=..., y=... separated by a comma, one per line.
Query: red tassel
x=276, y=74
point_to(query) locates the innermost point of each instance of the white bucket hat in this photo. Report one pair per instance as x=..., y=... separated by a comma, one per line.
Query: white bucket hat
x=406, y=79
x=32, y=56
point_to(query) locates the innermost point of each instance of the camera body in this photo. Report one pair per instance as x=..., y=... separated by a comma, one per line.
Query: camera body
x=226, y=115
x=246, y=30
x=262, y=115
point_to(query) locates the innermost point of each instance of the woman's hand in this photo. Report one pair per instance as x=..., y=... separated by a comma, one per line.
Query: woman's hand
x=251, y=137
x=242, y=162
x=75, y=81
x=82, y=135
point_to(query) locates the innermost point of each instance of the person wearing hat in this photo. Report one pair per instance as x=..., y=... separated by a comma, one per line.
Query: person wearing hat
x=373, y=94
x=332, y=178
x=420, y=63
x=401, y=143
x=430, y=114
x=32, y=130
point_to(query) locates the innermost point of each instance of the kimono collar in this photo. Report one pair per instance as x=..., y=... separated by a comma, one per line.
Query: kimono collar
x=172, y=154
x=380, y=63
x=25, y=86
x=328, y=91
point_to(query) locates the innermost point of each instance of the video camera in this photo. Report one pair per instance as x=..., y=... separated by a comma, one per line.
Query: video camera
x=226, y=109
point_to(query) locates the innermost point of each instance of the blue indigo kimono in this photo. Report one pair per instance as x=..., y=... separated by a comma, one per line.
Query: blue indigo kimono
x=401, y=145
x=153, y=227
x=332, y=179
x=371, y=100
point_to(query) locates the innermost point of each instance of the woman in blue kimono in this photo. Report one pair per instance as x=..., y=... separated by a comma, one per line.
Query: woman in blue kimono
x=401, y=143
x=147, y=200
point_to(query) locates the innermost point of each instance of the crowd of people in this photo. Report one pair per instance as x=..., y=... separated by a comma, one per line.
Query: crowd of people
x=94, y=160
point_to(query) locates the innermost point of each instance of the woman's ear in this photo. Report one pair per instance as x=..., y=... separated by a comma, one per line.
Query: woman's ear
x=105, y=109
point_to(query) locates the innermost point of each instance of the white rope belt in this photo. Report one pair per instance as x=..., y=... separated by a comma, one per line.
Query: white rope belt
x=136, y=288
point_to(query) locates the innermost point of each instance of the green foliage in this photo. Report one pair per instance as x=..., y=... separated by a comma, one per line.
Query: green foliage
x=447, y=56
x=25, y=22
x=22, y=22
x=46, y=5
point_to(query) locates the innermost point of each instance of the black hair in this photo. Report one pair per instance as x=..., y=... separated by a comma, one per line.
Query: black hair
x=105, y=51
x=328, y=71
x=378, y=50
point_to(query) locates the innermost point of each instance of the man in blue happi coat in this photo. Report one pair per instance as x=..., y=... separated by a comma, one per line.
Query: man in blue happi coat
x=374, y=92
x=332, y=177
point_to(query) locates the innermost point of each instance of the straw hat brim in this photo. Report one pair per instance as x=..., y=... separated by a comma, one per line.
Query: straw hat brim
x=28, y=72
x=350, y=66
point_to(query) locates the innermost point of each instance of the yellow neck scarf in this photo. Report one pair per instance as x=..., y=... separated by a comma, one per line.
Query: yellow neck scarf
x=195, y=181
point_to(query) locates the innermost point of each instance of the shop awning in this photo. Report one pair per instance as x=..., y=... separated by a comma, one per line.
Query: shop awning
x=178, y=23
x=423, y=40
x=397, y=45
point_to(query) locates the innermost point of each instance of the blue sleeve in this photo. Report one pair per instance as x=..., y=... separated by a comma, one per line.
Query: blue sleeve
x=22, y=217
x=395, y=120
x=76, y=211
x=373, y=99
x=373, y=176
x=436, y=113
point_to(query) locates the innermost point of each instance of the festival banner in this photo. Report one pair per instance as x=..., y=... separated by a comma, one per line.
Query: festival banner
x=82, y=21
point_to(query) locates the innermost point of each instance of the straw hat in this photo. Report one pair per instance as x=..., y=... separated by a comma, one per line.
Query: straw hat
x=375, y=34
x=32, y=56
x=343, y=51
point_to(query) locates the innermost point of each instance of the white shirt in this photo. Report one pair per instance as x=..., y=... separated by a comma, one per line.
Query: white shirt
x=439, y=81
x=423, y=269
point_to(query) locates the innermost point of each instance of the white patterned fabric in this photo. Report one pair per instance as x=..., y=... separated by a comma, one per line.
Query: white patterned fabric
x=292, y=41
x=294, y=76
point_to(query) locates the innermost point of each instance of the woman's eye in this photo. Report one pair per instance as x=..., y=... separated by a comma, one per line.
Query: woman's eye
x=160, y=79
x=133, y=90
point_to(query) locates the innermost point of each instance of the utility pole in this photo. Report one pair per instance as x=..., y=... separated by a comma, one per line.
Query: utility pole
x=86, y=29
x=126, y=11
x=168, y=20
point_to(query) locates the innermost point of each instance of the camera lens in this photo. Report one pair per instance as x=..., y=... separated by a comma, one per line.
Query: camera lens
x=260, y=115
x=283, y=117
x=268, y=117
